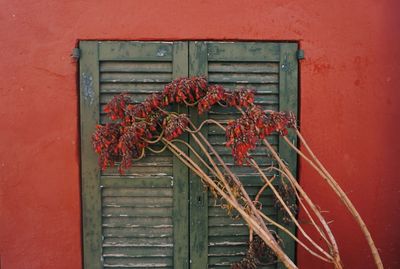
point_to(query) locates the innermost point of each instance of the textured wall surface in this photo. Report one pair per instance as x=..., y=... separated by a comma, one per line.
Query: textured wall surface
x=349, y=109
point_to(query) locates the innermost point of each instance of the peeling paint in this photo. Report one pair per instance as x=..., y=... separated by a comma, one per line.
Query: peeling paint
x=88, y=87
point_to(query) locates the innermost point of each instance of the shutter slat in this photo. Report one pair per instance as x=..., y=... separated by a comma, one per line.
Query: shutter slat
x=135, y=88
x=225, y=251
x=136, y=67
x=131, y=267
x=139, y=262
x=252, y=186
x=136, y=211
x=243, y=67
x=136, y=98
x=228, y=240
x=138, y=242
x=268, y=88
x=138, y=201
x=265, y=200
x=217, y=261
x=135, y=51
x=156, y=191
x=215, y=211
x=152, y=184
x=145, y=231
x=242, y=78
x=243, y=51
x=107, y=266
x=135, y=77
x=136, y=221
x=141, y=170
x=219, y=138
x=224, y=220
x=138, y=252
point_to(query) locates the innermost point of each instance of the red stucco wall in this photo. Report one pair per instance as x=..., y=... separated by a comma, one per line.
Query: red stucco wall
x=349, y=109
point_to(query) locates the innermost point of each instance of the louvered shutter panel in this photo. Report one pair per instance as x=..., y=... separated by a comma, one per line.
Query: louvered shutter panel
x=271, y=69
x=141, y=220
x=138, y=220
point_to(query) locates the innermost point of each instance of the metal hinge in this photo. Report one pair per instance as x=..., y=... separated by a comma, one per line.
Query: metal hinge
x=300, y=54
x=76, y=53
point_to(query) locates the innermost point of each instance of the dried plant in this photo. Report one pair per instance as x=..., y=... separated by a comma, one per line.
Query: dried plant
x=136, y=128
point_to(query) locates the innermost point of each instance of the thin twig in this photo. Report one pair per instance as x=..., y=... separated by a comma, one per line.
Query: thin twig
x=157, y=151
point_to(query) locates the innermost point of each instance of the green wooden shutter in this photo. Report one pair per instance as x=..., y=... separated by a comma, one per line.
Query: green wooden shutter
x=143, y=219
x=138, y=220
x=271, y=69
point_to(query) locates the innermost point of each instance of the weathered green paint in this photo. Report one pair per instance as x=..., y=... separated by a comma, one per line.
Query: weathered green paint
x=89, y=113
x=198, y=195
x=135, y=77
x=135, y=51
x=249, y=67
x=234, y=78
x=288, y=101
x=145, y=166
x=132, y=67
x=181, y=172
x=146, y=221
x=129, y=207
x=136, y=182
x=243, y=51
x=133, y=212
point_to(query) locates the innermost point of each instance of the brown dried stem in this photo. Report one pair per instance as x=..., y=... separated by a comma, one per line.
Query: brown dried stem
x=334, y=249
x=315, y=225
x=285, y=230
x=254, y=164
x=292, y=217
x=234, y=177
x=251, y=220
x=342, y=195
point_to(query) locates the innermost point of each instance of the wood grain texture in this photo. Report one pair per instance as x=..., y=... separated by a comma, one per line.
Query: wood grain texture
x=90, y=174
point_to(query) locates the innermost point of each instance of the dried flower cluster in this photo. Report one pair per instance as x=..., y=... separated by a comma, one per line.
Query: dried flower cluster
x=287, y=194
x=257, y=254
x=243, y=133
x=135, y=124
